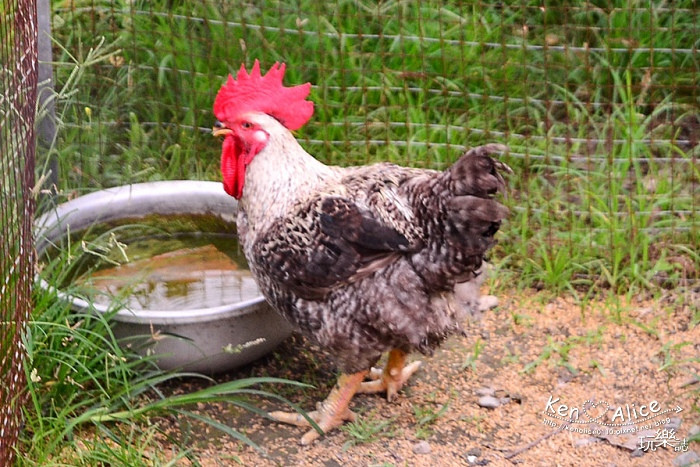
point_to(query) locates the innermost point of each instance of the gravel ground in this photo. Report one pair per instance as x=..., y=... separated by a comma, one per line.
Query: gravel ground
x=493, y=397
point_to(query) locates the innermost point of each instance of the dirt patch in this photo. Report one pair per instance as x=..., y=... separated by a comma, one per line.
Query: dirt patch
x=489, y=398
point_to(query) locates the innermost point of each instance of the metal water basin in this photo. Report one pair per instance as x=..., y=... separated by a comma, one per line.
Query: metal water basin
x=206, y=339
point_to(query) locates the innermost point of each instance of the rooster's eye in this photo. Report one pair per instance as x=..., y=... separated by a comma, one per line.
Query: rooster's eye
x=247, y=125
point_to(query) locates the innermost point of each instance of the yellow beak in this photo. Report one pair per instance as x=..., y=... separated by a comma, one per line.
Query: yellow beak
x=220, y=130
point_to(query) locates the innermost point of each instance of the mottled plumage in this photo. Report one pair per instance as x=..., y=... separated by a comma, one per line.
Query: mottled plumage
x=363, y=260
x=368, y=259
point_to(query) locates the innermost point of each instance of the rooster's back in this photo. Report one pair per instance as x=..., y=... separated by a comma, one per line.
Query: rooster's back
x=371, y=260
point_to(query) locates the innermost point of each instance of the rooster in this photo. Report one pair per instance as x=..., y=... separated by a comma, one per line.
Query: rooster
x=363, y=260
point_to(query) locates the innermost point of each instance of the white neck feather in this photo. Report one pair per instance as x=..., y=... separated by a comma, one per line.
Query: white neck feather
x=279, y=176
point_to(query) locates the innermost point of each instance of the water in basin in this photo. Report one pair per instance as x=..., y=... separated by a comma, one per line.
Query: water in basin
x=173, y=272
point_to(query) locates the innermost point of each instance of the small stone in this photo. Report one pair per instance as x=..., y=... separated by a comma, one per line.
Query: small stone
x=487, y=302
x=476, y=452
x=687, y=458
x=471, y=459
x=422, y=447
x=585, y=441
x=489, y=402
x=485, y=392
x=675, y=423
x=694, y=430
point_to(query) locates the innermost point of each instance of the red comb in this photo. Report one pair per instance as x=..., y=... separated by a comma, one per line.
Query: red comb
x=257, y=93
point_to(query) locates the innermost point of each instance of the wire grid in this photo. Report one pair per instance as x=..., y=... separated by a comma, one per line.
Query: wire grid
x=18, y=78
x=598, y=102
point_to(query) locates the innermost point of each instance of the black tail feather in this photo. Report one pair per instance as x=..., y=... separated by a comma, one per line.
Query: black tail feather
x=463, y=217
x=476, y=173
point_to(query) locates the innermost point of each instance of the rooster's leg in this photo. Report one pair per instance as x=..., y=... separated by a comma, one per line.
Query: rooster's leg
x=330, y=413
x=392, y=378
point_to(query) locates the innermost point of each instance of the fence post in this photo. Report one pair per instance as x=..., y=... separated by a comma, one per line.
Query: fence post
x=18, y=87
x=46, y=128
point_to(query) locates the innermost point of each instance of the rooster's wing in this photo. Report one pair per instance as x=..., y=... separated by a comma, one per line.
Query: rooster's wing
x=328, y=242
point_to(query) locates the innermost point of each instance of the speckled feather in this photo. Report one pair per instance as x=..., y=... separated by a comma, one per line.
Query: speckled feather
x=366, y=259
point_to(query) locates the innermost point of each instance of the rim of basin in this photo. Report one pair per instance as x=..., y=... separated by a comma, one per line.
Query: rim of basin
x=173, y=197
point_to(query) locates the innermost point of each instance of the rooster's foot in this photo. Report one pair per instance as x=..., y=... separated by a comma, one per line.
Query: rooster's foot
x=392, y=378
x=329, y=414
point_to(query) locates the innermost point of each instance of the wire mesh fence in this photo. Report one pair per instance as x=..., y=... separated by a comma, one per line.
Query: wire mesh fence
x=18, y=81
x=597, y=101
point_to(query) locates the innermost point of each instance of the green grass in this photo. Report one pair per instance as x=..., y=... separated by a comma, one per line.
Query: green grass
x=471, y=359
x=367, y=429
x=426, y=416
x=604, y=199
x=93, y=400
x=605, y=184
x=669, y=360
x=557, y=352
x=81, y=383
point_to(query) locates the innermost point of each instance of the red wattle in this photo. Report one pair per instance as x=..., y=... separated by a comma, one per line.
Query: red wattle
x=241, y=164
x=235, y=157
x=229, y=163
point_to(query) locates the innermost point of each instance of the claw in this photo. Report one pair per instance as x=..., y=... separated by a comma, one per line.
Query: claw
x=334, y=411
x=293, y=418
x=325, y=421
x=392, y=378
x=330, y=414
